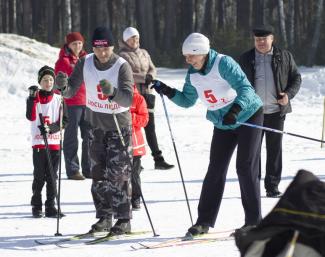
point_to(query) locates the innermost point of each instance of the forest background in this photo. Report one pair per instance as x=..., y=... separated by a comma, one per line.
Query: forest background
x=164, y=24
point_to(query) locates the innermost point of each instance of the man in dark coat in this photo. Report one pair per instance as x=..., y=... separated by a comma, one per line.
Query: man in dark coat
x=275, y=77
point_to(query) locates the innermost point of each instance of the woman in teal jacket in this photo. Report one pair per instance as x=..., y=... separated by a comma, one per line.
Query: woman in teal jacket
x=223, y=87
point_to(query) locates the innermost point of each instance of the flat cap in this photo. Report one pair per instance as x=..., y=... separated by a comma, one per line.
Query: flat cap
x=262, y=31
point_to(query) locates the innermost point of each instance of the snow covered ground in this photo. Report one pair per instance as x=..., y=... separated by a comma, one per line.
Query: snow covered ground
x=20, y=59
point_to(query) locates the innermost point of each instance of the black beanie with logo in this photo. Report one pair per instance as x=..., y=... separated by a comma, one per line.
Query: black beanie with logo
x=102, y=37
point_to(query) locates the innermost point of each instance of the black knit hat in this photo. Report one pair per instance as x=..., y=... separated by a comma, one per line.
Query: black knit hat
x=262, y=31
x=45, y=70
x=102, y=37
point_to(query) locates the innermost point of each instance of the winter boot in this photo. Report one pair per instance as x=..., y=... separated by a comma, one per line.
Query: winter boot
x=136, y=204
x=103, y=225
x=77, y=176
x=160, y=163
x=37, y=212
x=198, y=229
x=273, y=193
x=52, y=212
x=122, y=226
x=243, y=230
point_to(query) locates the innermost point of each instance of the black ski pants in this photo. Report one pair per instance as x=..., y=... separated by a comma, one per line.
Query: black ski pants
x=41, y=175
x=223, y=144
x=135, y=178
x=273, y=143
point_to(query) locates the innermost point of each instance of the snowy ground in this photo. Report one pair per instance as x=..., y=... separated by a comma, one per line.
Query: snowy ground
x=20, y=58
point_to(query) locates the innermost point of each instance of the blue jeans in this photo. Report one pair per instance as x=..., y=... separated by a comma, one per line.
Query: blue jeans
x=70, y=144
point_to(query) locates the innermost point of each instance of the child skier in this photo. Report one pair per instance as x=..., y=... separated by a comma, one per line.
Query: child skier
x=140, y=118
x=47, y=103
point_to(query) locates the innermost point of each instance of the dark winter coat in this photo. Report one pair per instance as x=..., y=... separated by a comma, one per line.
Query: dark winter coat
x=301, y=208
x=66, y=63
x=287, y=78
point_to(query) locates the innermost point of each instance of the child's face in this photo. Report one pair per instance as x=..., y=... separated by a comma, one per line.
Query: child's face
x=47, y=82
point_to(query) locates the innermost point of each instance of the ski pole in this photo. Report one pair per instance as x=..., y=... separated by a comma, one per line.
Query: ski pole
x=178, y=162
x=60, y=171
x=127, y=154
x=292, y=244
x=48, y=156
x=323, y=125
x=278, y=131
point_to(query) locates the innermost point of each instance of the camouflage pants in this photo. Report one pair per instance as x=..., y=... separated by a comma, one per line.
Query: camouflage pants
x=111, y=170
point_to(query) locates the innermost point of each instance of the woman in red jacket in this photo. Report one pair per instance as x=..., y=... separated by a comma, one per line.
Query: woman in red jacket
x=68, y=57
x=140, y=118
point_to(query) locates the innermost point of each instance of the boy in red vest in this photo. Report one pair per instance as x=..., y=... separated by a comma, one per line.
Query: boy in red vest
x=47, y=103
x=140, y=118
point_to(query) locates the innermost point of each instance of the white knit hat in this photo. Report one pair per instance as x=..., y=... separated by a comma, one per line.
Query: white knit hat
x=130, y=32
x=196, y=43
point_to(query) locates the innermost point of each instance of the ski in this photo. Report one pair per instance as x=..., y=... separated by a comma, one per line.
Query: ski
x=181, y=242
x=63, y=240
x=111, y=237
x=188, y=239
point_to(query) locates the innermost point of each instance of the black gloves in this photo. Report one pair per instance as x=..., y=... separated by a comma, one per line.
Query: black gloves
x=61, y=81
x=162, y=89
x=230, y=118
x=33, y=91
x=48, y=129
x=44, y=129
x=107, y=87
x=148, y=79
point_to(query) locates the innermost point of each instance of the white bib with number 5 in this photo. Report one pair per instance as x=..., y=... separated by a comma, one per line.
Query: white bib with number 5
x=213, y=90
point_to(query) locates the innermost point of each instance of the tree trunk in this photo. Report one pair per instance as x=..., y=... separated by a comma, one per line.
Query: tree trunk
x=291, y=23
x=244, y=16
x=316, y=34
x=27, y=18
x=187, y=14
x=75, y=15
x=170, y=28
x=259, y=10
x=145, y=24
x=12, y=16
x=199, y=14
x=282, y=23
x=221, y=15
x=50, y=23
x=65, y=19
x=208, y=21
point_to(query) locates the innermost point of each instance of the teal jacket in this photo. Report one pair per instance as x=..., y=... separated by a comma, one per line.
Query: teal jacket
x=232, y=73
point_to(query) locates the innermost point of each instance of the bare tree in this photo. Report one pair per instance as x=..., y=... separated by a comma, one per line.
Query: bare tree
x=199, y=14
x=27, y=18
x=282, y=23
x=291, y=23
x=145, y=24
x=221, y=14
x=170, y=28
x=259, y=12
x=316, y=34
x=75, y=15
x=187, y=18
x=50, y=23
x=244, y=15
x=208, y=20
x=12, y=16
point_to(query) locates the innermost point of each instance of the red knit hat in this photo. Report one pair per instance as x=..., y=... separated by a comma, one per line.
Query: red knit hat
x=74, y=36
